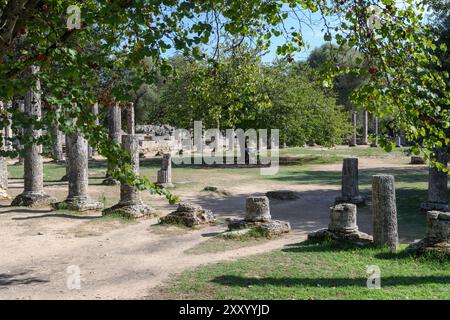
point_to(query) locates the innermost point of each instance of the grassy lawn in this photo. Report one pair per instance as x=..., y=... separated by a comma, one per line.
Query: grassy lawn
x=315, y=271
x=357, y=152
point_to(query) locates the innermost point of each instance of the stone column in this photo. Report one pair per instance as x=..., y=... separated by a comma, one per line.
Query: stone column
x=164, y=178
x=365, y=137
x=384, y=212
x=131, y=118
x=57, y=144
x=130, y=204
x=78, y=199
x=343, y=218
x=21, y=108
x=33, y=194
x=92, y=150
x=437, y=185
x=3, y=179
x=437, y=237
x=115, y=134
x=374, y=143
x=3, y=169
x=67, y=144
x=350, y=188
x=257, y=209
x=353, y=142
x=8, y=130
x=398, y=141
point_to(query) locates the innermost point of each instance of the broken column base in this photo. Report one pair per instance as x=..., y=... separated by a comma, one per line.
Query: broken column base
x=110, y=181
x=78, y=204
x=434, y=206
x=189, y=215
x=130, y=211
x=427, y=244
x=266, y=229
x=358, y=200
x=355, y=237
x=418, y=160
x=282, y=195
x=33, y=200
x=438, y=234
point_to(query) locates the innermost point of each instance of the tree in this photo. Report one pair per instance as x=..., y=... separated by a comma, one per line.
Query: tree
x=398, y=53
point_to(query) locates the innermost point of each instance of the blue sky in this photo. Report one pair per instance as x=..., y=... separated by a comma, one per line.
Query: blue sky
x=312, y=36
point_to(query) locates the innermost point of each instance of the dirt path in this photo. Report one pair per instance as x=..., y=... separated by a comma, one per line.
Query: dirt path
x=126, y=260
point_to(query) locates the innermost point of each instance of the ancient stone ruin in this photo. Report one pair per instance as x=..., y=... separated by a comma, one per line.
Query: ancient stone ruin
x=189, y=215
x=343, y=226
x=115, y=135
x=438, y=234
x=164, y=178
x=78, y=198
x=33, y=194
x=130, y=204
x=350, y=188
x=418, y=160
x=437, y=185
x=93, y=150
x=384, y=212
x=282, y=195
x=258, y=218
x=3, y=179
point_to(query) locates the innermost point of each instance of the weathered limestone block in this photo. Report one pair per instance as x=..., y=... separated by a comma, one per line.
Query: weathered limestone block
x=418, y=160
x=258, y=209
x=130, y=204
x=164, y=176
x=258, y=218
x=343, y=226
x=438, y=234
x=350, y=183
x=282, y=195
x=343, y=218
x=33, y=194
x=217, y=190
x=384, y=212
x=189, y=215
x=437, y=185
x=78, y=198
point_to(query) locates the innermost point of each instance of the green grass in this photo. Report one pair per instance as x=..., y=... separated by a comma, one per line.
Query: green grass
x=218, y=244
x=315, y=271
x=361, y=152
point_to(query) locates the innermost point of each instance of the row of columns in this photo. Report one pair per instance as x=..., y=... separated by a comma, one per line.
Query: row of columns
x=384, y=210
x=365, y=134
